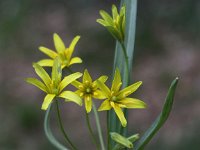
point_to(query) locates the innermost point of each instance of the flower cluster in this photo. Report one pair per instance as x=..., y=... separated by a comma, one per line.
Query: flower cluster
x=87, y=89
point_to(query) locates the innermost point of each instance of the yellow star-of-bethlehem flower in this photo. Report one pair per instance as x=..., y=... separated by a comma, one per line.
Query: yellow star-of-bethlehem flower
x=65, y=54
x=117, y=99
x=115, y=24
x=89, y=89
x=54, y=86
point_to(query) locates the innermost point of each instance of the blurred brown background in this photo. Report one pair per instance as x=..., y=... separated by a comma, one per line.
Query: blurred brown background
x=167, y=45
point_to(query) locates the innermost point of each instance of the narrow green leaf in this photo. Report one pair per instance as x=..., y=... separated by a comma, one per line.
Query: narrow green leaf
x=48, y=131
x=158, y=123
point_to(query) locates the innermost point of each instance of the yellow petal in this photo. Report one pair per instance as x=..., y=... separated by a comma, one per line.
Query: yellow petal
x=132, y=103
x=103, y=22
x=88, y=103
x=105, y=106
x=42, y=74
x=45, y=62
x=103, y=79
x=120, y=114
x=114, y=12
x=87, y=77
x=116, y=84
x=106, y=17
x=129, y=90
x=68, y=79
x=72, y=46
x=76, y=84
x=48, y=52
x=99, y=94
x=103, y=88
x=59, y=45
x=47, y=101
x=71, y=97
x=37, y=83
x=75, y=60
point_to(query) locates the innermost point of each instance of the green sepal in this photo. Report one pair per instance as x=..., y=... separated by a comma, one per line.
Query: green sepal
x=121, y=140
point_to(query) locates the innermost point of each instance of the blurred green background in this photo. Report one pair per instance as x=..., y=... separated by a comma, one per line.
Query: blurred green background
x=167, y=45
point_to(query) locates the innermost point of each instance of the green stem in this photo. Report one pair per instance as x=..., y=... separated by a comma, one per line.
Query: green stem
x=126, y=61
x=62, y=128
x=98, y=127
x=108, y=130
x=90, y=130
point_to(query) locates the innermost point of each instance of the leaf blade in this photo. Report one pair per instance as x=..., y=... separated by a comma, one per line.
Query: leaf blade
x=160, y=120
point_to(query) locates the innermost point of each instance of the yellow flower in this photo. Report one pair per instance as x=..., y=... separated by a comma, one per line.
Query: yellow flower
x=88, y=89
x=115, y=24
x=54, y=86
x=117, y=99
x=65, y=54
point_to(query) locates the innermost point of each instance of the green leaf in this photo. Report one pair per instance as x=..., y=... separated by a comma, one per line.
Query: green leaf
x=49, y=133
x=158, y=123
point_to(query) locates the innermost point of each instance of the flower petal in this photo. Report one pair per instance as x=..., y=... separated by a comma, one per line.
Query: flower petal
x=47, y=100
x=99, y=94
x=106, y=17
x=88, y=103
x=68, y=79
x=102, y=22
x=120, y=114
x=37, y=83
x=105, y=105
x=71, y=97
x=75, y=60
x=48, y=52
x=42, y=74
x=129, y=90
x=133, y=103
x=45, y=62
x=76, y=84
x=114, y=12
x=72, y=46
x=103, y=79
x=117, y=82
x=59, y=45
x=86, y=76
x=104, y=88
x=56, y=73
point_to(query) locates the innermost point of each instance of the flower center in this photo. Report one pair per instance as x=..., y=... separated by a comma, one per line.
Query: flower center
x=114, y=98
x=88, y=90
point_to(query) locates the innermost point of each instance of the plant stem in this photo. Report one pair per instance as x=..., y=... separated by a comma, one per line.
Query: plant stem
x=108, y=130
x=62, y=128
x=126, y=61
x=98, y=127
x=90, y=130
